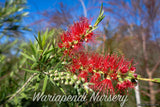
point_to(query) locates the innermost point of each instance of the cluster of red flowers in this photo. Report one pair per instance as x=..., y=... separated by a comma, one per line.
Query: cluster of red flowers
x=122, y=86
x=100, y=70
x=103, y=71
x=77, y=33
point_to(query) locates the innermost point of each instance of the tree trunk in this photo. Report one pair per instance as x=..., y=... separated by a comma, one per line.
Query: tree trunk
x=149, y=73
x=151, y=89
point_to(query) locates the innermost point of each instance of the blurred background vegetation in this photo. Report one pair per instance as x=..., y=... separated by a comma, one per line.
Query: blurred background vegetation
x=130, y=28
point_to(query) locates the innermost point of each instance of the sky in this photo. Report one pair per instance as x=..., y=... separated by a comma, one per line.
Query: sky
x=42, y=5
x=36, y=7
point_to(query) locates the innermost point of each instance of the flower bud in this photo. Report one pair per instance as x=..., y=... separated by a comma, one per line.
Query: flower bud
x=66, y=83
x=55, y=79
x=62, y=73
x=68, y=75
x=70, y=82
x=56, y=71
x=55, y=74
x=75, y=77
x=78, y=82
x=58, y=78
x=135, y=75
x=62, y=81
x=62, y=78
x=83, y=80
x=50, y=71
x=51, y=75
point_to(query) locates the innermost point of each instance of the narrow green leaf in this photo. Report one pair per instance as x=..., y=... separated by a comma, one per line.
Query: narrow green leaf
x=43, y=41
x=31, y=71
x=25, y=77
x=48, y=51
x=25, y=13
x=51, y=79
x=101, y=8
x=47, y=48
x=28, y=57
x=34, y=65
x=37, y=83
x=40, y=45
x=44, y=38
x=45, y=84
x=33, y=48
x=40, y=40
x=20, y=9
x=35, y=37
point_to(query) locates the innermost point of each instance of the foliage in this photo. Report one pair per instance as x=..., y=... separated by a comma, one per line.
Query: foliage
x=11, y=15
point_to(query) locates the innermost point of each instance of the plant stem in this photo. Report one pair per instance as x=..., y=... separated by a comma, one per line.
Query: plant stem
x=146, y=79
x=18, y=91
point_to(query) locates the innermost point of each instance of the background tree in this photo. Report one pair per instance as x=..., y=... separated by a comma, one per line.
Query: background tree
x=11, y=29
x=137, y=27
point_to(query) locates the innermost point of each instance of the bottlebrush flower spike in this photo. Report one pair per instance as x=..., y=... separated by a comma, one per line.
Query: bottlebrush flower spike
x=103, y=70
x=76, y=34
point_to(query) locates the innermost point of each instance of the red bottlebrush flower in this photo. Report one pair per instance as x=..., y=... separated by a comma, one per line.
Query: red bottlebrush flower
x=125, y=85
x=83, y=59
x=114, y=76
x=90, y=66
x=95, y=78
x=120, y=87
x=135, y=75
x=133, y=69
x=124, y=69
x=128, y=84
x=105, y=86
x=95, y=61
x=76, y=35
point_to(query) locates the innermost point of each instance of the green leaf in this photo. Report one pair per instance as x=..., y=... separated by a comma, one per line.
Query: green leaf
x=101, y=8
x=51, y=79
x=34, y=65
x=44, y=38
x=25, y=13
x=45, y=83
x=37, y=83
x=48, y=51
x=31, y=71
x=10, y=45
x=47, y=47
x=28, y=57
x=20, y=9
x=33, y=48
x=25, y=76
x=40, y=45
x=40, y=40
